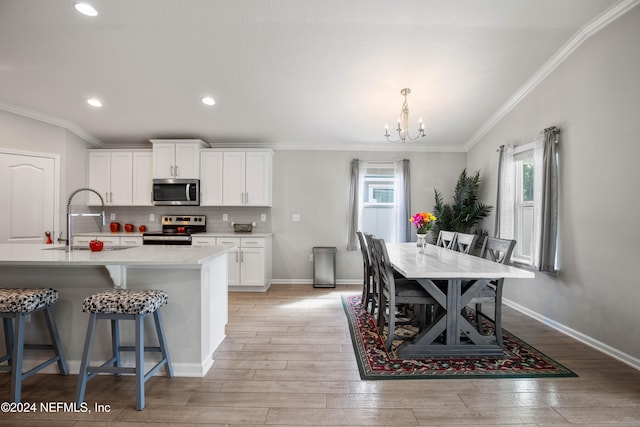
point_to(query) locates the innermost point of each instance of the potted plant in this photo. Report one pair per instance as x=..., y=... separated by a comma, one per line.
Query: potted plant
x=465, y=214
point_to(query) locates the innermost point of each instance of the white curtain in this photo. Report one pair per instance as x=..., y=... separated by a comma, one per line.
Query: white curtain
x=546, y=213
x=402, y=195
x=354, y=197
x=505, y=216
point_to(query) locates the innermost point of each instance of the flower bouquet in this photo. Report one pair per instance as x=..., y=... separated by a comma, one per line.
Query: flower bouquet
x=423, y=222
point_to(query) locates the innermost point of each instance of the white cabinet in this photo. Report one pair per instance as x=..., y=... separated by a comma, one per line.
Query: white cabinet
x=176, y=158
x=83, y=241
x=203, y=241
x=247, y=178
x=249, y=264
x=142, y=178
x=111, y=174
x=211, y=178
x=131, y=241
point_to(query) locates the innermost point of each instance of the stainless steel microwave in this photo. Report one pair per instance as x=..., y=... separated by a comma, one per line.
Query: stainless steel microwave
x=176, y=192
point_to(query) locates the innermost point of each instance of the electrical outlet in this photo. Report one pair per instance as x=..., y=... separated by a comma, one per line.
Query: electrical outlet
x=263, y=217
x=113, y=216
x=295, y=217
x=152, y=217
x=225, y=217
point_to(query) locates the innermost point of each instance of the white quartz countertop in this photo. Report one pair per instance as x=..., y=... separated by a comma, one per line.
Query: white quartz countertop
x=206, y=234
x=151, y=255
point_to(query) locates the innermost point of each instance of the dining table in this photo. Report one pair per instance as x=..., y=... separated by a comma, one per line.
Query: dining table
x=453, y=279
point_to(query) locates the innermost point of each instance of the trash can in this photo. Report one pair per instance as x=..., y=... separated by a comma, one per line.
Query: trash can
x=324, y=267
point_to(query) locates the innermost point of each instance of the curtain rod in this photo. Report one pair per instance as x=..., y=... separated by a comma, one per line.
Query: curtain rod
x=553, y=129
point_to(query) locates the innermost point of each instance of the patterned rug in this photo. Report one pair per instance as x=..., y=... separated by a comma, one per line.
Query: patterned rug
x=375, y=363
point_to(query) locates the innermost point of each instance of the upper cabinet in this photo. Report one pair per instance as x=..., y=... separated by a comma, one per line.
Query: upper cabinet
x=142, y=178
x=211, y=178
x=177, y=158
x=236, y=178
x=111, y=174
x=122, y=177
x=247, y=178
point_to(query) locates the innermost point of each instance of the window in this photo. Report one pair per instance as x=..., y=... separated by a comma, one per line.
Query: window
x=379, y=201
x=528, y=200
x=524, y=207
x=377, y=207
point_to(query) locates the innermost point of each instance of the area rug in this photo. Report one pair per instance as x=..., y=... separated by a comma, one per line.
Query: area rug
x=520, y=361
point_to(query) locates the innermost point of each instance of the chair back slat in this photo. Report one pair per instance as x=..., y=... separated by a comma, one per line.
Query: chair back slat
x=465, y=242
x=446, y=239
x=497, y=250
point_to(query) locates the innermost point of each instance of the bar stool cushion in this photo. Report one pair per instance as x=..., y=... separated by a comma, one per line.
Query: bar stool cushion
x=25, y=300
x=125, y=301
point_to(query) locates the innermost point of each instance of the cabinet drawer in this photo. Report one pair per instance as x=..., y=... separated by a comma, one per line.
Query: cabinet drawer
x=84, y=240
x=228, y=241
x=131, y=241
x=203, y=241
x=252, y=242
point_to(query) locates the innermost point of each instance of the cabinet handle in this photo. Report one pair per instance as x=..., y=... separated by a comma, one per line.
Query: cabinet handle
x=236, y=257
x=171, y=168
x=111, y=197
x=176, y=169
x=241, y=256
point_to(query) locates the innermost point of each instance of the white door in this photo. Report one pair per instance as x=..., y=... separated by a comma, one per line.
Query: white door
x=28, y=198
x=164, y=156
x=121, y=178
x=187, y=160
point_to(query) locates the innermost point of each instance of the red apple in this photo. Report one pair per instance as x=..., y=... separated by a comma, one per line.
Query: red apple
x=129, y=227
x=96, y=245
x=142, y=228
x=115, y=227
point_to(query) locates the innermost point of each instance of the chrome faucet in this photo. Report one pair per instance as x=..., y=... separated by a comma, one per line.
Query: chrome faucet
x=69, y=214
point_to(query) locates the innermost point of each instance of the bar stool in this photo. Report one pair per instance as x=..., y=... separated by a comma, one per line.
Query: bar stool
x=116, y=305
x=18, y=303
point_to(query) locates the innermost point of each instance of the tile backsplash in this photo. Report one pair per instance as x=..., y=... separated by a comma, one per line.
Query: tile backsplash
x=139, y=215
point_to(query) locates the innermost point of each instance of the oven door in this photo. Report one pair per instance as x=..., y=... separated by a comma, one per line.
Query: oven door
x=166, y=239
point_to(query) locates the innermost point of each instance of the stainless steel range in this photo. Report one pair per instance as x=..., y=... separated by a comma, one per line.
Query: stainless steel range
x=176, y=230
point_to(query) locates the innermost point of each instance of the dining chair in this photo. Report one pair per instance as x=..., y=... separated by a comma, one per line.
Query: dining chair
x=465, y=242
x=395, y=291
x=446, y=239
x=367, y=272
x=497, y=250
x=375, y=288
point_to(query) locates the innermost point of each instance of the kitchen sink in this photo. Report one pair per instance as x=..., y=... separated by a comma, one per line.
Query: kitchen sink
x=86, y=248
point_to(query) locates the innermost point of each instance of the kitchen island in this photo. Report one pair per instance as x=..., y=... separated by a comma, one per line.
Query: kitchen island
x=195, y=278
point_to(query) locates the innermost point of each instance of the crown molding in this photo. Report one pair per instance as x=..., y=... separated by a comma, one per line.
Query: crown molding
x=52, y=120
x=563, y=53
x=350, y=146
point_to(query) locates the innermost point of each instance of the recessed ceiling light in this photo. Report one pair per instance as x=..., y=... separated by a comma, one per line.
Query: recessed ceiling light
x=207, y=100
x=94, y=102
x=86, y=9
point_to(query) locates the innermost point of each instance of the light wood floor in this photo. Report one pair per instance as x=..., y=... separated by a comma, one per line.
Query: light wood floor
x=288, y=361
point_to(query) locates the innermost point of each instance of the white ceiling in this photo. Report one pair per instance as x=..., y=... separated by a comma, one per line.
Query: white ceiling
x=284, y=73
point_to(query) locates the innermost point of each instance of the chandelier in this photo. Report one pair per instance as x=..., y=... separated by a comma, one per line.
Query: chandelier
x=403, y=123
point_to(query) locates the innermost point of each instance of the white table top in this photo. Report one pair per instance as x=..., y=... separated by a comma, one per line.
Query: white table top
x=150, y=255
x=441, y=263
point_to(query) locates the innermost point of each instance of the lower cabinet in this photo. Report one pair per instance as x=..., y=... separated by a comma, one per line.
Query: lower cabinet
x=249, y=264
x=108, y=240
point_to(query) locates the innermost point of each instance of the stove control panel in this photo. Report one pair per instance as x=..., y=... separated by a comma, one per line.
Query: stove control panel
x=184, y=220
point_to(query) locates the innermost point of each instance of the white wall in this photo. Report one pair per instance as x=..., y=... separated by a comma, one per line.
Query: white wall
x=315, y=184
x=19, y=133
x=594, y=98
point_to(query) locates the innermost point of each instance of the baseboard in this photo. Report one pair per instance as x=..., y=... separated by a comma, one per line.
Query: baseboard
x=585, y=339
x=357, y=282
x=179, y=369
